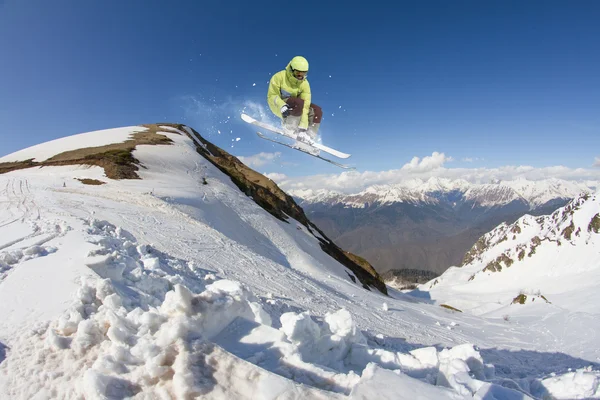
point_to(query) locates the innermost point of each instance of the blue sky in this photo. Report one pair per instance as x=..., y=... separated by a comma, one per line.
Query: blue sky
x=500, y=83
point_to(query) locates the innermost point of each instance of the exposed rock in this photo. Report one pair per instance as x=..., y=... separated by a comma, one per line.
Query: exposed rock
x=450, y=307
x=568, y=231
x=520, y=299
x=523, y=298
x=594, y=225
x=496, y=265
x=478, y=248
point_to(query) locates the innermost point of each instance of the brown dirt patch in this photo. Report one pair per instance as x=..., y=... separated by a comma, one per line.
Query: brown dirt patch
x=87, y=181
x=116, y=158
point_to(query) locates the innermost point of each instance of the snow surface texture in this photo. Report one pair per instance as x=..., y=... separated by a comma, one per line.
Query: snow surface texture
x=169, y=288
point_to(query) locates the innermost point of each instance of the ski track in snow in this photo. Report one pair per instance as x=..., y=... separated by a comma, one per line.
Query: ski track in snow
x=156, y=271
x=21, y=216
x=17, y=202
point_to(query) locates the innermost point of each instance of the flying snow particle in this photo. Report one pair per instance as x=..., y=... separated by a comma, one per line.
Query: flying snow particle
x=384, y=307
x=254, y=84
x=238, y=139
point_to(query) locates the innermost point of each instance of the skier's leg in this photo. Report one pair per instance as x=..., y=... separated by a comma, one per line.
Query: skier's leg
x=291, y=122
x=315, y=114
x=297, y=105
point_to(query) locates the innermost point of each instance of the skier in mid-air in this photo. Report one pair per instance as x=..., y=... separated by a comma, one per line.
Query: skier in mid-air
x=289, y=98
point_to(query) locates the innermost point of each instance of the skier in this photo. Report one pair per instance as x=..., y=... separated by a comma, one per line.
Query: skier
x=289, y=98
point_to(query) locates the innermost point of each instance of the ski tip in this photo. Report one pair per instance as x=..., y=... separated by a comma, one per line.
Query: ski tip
x=247, y=118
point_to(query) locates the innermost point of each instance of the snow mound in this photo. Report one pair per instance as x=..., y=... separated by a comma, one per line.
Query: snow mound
x=100, y=348
x=148, y=324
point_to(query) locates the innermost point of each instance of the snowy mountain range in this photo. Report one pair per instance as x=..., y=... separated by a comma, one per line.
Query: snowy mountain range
x=145, y=262
x=534, y=194
x=428, y=225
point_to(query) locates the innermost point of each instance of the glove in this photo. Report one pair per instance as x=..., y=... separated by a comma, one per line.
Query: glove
x=285, y=110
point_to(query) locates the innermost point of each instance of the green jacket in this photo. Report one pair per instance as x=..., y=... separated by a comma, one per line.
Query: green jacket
x=284, y=85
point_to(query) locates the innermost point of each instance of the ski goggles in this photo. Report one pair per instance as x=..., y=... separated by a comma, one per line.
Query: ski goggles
x=300, y=75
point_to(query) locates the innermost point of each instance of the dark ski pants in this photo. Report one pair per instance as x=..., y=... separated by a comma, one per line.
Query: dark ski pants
x=297, y=105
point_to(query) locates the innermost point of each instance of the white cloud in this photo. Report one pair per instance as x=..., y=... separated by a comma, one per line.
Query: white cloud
x=260, y=159
x=276, y=177
x=429, y=163
x=597, y=162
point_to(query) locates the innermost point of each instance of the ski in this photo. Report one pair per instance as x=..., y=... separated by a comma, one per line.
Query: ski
x=333, y=152
x=306, y=152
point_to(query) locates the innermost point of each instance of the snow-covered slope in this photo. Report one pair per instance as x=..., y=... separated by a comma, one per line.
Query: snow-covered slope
x=547, y=266
x=179, y=285
x=556, y=255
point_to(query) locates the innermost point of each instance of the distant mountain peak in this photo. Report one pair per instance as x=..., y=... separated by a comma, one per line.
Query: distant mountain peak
x=532, y=193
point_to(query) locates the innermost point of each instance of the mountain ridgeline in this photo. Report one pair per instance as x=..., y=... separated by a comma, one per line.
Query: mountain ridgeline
x=118, y=161
x=427, y=225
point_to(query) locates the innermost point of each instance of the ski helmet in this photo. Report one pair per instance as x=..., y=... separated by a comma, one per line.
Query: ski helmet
x=299, y=63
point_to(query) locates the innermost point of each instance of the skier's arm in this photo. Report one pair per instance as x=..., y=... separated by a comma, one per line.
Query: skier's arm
x=274, y=94
x=306, y=96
